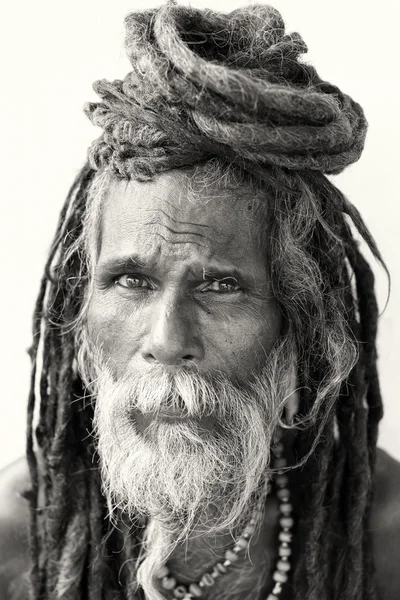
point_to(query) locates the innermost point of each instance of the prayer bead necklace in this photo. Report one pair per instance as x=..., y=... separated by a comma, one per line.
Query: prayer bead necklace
x=280, y=575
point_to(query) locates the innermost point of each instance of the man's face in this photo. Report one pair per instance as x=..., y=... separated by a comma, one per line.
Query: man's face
x=181, y=282
x=181, y=332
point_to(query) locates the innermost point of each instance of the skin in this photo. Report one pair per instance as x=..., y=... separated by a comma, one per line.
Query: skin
x=195, y=294
x=384, y=527
x=201, y=298
x=172, y=312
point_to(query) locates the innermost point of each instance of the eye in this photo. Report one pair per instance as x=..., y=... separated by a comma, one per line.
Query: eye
x=223, y=286
x=131, y=281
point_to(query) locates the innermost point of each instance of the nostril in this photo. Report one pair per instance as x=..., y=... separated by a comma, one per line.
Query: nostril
x=151, y=358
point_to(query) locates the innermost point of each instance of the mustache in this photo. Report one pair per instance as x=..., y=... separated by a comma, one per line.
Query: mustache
x=184, y=391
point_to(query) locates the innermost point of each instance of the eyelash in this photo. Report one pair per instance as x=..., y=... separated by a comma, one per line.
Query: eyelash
x=132, y=276
x=229, y=281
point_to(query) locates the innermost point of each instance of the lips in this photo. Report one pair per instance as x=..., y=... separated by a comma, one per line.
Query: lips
x=171, y=414
x=174, y=409
x=168, y=416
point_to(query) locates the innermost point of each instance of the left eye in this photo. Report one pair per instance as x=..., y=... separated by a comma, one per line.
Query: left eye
x=132, y=281
x=223, y=286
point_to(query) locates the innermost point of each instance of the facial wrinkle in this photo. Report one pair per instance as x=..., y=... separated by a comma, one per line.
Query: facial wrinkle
x=173, y=242
x=177, y=220
x=215, y=236
x=178, y=232
x=173, y=236
x=174, y=209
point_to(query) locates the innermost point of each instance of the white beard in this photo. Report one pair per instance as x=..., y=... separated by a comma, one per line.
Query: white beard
x=180, y=474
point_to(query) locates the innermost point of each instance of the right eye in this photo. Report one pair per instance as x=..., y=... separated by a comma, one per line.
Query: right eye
x=132, y=282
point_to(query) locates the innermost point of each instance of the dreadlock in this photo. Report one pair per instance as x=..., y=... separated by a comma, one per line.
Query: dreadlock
x=227, y=92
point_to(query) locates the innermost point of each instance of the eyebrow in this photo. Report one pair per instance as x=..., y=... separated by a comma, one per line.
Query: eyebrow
x=115, y=266
x=223, y=273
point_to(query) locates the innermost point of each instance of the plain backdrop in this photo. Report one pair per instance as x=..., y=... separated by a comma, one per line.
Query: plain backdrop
x=52, y=53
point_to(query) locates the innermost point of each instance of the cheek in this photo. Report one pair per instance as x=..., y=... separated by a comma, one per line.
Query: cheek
x=240, y=344
x=236, y=342
x=107, y=329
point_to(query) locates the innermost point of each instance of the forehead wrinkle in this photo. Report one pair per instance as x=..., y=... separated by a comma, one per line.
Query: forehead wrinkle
x=217, y=236
x=229, y=234
x=172, y=218
x=174, y=232
x=173, y=242
x=218, y=252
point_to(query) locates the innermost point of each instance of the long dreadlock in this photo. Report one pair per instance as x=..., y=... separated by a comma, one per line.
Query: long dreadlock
x=240, y=95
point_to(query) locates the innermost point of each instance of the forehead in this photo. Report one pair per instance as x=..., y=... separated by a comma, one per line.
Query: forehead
x=172, y=213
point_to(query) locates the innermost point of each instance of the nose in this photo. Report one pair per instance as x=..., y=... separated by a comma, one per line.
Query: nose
x=172, y=338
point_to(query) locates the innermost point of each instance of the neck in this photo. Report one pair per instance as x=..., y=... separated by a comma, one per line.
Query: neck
x=201, y=552
x=250, y=571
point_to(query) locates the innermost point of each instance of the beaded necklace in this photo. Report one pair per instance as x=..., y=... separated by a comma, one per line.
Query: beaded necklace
x=280, y=575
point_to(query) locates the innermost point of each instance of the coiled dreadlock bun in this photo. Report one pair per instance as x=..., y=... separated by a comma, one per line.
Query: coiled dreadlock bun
x=209, y=84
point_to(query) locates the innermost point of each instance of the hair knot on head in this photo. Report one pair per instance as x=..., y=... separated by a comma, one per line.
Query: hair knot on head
x=209, y=84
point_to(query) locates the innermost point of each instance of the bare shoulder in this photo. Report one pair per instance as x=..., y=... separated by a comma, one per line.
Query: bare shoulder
x=385, y=525
x=14, y=526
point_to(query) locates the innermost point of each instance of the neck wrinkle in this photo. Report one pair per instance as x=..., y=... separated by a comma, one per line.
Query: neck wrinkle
x=191, y=559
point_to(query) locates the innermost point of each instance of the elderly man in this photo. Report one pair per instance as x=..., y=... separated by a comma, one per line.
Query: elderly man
x=204, y=340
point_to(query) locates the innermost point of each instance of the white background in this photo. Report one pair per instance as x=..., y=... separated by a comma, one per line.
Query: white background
x=52, y=52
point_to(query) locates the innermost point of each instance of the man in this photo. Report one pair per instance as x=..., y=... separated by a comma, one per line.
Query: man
x=204, y=340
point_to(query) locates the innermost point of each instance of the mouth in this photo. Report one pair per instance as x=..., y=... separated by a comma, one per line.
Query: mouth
x=144, y=420
x=171, y=415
